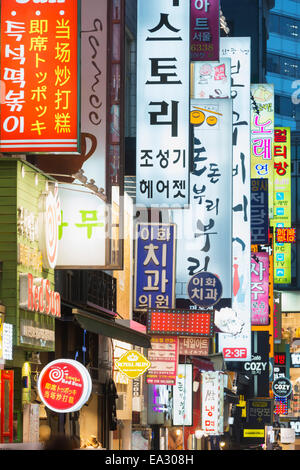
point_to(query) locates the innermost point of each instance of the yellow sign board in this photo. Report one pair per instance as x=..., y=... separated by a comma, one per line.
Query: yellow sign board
x=132, y=364
x=254, y=433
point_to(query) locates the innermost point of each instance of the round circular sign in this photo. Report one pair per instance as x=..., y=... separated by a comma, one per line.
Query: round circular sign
x=282, y=387
x=64, y=385
x=204, y=289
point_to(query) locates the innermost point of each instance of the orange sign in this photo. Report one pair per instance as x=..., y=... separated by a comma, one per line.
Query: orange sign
x=39, y=74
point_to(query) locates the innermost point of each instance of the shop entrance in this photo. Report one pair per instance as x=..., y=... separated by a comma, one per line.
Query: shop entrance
x=6, y=405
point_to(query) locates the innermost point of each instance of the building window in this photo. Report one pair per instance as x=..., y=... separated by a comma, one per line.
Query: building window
x=285, y=26
x=283, y=65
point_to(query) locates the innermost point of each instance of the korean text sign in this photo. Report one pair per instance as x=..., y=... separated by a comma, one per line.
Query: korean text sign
x=155, y=266
x=204, y=241
x=183, y=396
x=205, y=30
x=262, y=135
x=260, y=288
x=212, y=403
x=211, y=79
x=239, y=50
x=282, y=202
x=259, y=211
x=39, y=69
x=163, y=102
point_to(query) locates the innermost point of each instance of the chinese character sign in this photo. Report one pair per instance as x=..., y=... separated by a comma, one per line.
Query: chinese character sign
x=262, y=135
x=39, y=68
x=260, y=288
x=282, y=203
x=211, y=79
x=205, y=30
x=204, y=241
x=163, y=66
x=259, y=211
x=212, y=403
x=64, y=385
x=155, y=266
x=82, y=229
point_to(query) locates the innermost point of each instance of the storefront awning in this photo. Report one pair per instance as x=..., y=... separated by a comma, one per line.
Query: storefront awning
x=100, y=326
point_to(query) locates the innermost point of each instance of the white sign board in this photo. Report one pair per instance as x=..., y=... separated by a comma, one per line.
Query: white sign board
x=82, y=233
x=183, y=396
x=238, y=347
x=162, y=135
x=213, y=403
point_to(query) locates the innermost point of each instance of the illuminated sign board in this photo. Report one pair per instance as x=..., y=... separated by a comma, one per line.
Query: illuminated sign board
x=212, y=403
x=295, y=360
x=64, y=385
x=285, y=235
x=211, y=79
x=155, y=266
x=260, y=289
x=162, y=137
x=262, y=135
x=204, y=230
x=205, y=289
x=282, y=203
x=40, y=71
x=183, y=396
x=259, y=211
x=205, y=30
x=36, y=295
x=132, y=364
x=238, y=49
x=180, y=322
x=163, y=356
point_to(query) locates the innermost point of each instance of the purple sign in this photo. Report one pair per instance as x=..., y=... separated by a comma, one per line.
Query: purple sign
x=205, y=30
x=260, y=288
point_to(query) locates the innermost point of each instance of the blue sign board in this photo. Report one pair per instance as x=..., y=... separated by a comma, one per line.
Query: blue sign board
x=259, y=211
x=155, y=266
x=205, y=289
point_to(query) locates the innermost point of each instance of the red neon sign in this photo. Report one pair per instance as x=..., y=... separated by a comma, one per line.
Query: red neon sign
x=39, y=74
x=180, y=322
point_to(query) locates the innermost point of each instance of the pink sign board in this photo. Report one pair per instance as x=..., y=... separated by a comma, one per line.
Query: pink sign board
x=260, y=289
x=205, y=30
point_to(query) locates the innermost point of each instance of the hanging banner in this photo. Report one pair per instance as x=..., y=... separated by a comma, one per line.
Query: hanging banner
x=40, y=72
x=260, y=289
x=211, y=79
x=183, y=396
x=212, y=403
x=282, y=203
x=205, y=30
x=163, y=84
x=262, y=135
x=259, y=211
x=239, y=50
x=204, y=241
x=154, y=266
x=163, y=356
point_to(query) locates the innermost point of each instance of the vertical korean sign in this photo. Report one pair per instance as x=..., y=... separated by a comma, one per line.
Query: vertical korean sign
x=282, y=203
x=40, y=70
x=260, y=288
x=163, y=85
x=204, y=241
x=155, y=266
x=212, y=403
x=238, y=347
x=205, y=30
x=259, y=211
x=262, y=135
